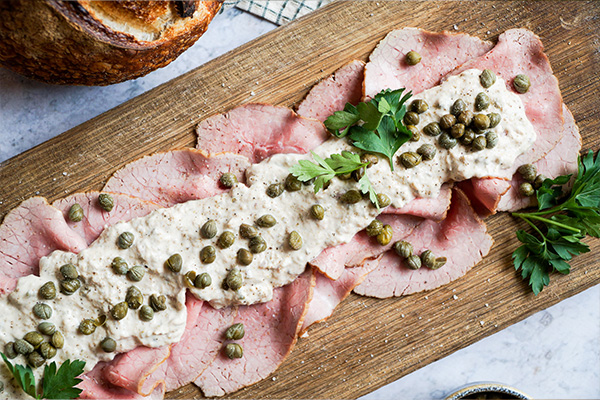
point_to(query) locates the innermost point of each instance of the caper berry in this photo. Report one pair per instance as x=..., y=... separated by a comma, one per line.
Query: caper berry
x=495, y=119
x=174, y=263
x=465, y=118
x=119, y=266
x=411, y=118
x=427, y=152
x=106, y=202
x=385, y=237
x=410, y=159
x=275, y=190
x=68, y=271
x=457, y=107
x=158, y=302
x=47, y=350
x=35, y=359
x=76, y=213
x=257, y=244
x=125, y=240
x=228, y=180
x=521, y=83
x=69, y=286
x=413, y=262
x=374, y=228
x=317, y=211
x=539, y=180
x=419, y=106
x=189, y=278
x=226, y=239
x=481, y=122
x=9, y=350
x=266, y=221
x=526, y=189
x=208, y=254
x=295, y=240
x=235, y=332
x=357, y=174
x=244, y=257
x=447, y=141
x=468, y=137
x=416, y=134
x=447, y=122
x=202, y=281
x=34, y=338
x=482, y=101
x=403, y=248
x=47, y=291
x=352, y=196
x=108, y=345
x=209, y=229
x=383, y=200
x=432, y=129
x=23, y=347
x=234, y=350
x=491, y=139
x=136, y=273
x=428, y=259
x=87, y=326
x=146, y=313
x=134, y=298
x=57, y=340
x=248, y=231
x=292, y=184
x=47, y=328
x=479, y=143
x=457, y=131
x=528, y=172
x=413, y=58
x=234, y=279
x=369, y=159
x=42, y=311
x=119, y=311
x=487, y=78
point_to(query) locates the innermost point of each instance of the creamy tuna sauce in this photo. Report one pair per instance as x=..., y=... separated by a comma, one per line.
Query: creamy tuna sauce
x=176, y=230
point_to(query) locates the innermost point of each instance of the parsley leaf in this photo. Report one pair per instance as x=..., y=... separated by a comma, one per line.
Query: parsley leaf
x=23, y=376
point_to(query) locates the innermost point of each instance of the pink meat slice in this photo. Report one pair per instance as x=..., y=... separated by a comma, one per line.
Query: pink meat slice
x=427, y=207
x=440, y=52
x=176, y=176
x=29, y=232
x=271, y=332
x=328, y=294
x=462, y=238
x=258, y=131
x=331, y=94
x=484, y=194
x=95, y=219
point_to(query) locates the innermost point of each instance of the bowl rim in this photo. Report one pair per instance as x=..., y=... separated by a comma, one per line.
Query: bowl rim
x=479, y=387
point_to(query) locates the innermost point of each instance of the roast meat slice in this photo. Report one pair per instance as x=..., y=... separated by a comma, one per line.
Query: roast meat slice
x=427, y=207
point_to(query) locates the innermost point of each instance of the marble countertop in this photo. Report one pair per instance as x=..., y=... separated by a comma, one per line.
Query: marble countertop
x=555, y=353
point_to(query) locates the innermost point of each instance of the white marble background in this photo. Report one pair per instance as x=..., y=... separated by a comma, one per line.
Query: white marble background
x=552, y=354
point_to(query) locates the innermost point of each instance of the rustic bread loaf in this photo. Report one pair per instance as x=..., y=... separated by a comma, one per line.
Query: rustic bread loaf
x=86, y=42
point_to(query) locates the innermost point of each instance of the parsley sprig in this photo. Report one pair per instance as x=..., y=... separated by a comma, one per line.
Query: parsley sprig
x=566, y=220
x=375, y=126
x=56, y=384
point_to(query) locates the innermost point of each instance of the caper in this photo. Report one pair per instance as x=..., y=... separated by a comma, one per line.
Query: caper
x=275, y=190
x=383, y=200
x=226, y=239
x=416, y=134
x=208, y=254
x=528, y=172
x=42, y=311
x=419, y=106
x=257, y=244
x=146, y=313
x=357, y=174
x=465, y=118
x=317, y=211
x=295, y=240
x=57, y=340
x=35, y=359
x=234, y=350
x=234, y=279
x=235, y=332
x=23, y=347
x=457, y=107
x=495, y=119
x=47, y=350
x=374, y=228
x=526, y=189
x=125, y=240
x=136, y=273
x=69, y=286
x=427, y=152
x=266, y=221
x=76, y=213
x=174, y=263
x=106, y=202
x=432, y=129
x=108, y=345
x=47, y=291
x=87, y=326
x=47, y=328
x=491, y=139
x=439, y=262
x=447, y=141
x=202, y=281
x=403, y=248
x=345, y=176
x=385, y=237
x=34, y=338
x=189, y=278
x=479, y=143
x=413, y=262
x=428, y=258
x=447, y=122
x=134, y=298
x=468, y=137
x=244, y=257
x=209, y=229
x=228, y=180
x=538, y=182
x=68, y=271
x=369, y=159
x=292, y=184
x=352, y=196
x=521, y=83
x=9, y=350
x=410, y=159
x=481, y=121
x=482, y=101
x=119, y=266
x=158, y=302
x=457, y=131
x=100, y=321
x=119, y=311
x=248, y=231
x=411, y=118
x=487, y=78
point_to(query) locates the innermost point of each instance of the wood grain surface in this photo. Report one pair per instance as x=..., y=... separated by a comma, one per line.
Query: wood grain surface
x=367, y=343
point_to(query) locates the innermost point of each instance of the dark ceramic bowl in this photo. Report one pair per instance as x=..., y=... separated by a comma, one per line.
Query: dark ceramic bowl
x=487, y=390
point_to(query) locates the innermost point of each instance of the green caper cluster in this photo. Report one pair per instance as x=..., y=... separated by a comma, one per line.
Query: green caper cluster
x=533, y=180
x=69, y=276
x=135, y=273
x=382, y=233
x=198, y=281
x=35, y=347
x=405, y=250
x=234, y=332
x=291, y=184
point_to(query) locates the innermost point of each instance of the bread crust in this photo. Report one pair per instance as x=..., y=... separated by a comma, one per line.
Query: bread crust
x=66, y=42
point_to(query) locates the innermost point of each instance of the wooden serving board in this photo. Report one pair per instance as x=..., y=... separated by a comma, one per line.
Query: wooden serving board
x=364, y=345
